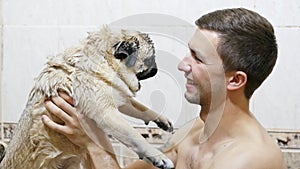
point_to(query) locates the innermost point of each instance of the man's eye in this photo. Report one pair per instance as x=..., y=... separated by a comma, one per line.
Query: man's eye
x=193, y=53
x=196, y=58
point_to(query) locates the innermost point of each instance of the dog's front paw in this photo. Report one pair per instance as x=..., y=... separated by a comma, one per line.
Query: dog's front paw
x=163, y=123
x=160, y=162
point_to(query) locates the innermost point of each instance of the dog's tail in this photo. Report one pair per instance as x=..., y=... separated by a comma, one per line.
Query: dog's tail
x=2, y=150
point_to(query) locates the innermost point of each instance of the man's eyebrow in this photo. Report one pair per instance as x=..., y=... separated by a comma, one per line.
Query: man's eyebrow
x=191, y=49
x=198, y=53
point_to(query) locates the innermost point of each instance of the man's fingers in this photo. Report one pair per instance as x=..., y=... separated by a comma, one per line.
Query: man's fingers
x=64, y=105
x=52, y=125
x=66, y=97
x=55, y=109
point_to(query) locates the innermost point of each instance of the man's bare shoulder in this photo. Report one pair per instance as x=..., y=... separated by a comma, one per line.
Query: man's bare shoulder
x=186, y=132
x=247, y=154
x=183, y=133
x=182, y=138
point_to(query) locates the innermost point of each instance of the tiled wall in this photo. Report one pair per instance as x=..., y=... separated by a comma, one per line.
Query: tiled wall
x=32, y=30
x=288, y=140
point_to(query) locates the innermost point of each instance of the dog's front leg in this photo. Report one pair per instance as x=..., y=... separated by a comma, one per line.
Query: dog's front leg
x=113, y=123
x=138, y=110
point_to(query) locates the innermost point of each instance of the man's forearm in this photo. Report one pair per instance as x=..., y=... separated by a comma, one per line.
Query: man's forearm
x=100, y=158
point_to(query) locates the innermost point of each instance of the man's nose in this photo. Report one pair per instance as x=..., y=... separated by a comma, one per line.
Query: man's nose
x=183, y=65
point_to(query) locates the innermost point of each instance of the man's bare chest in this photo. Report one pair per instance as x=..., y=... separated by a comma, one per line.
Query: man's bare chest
x=195, y=156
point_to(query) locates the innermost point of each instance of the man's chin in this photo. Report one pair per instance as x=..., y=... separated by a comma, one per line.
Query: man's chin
x=191, y=98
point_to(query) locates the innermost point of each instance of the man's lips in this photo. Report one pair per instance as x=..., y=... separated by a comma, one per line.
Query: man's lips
x=189, y=83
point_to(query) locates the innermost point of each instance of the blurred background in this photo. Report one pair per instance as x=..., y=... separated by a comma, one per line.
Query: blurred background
x=32, y=30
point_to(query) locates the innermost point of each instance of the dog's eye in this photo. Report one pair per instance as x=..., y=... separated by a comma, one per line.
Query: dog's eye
x=121, y=56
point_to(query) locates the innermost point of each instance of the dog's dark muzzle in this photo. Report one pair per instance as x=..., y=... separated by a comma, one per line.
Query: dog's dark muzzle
x=147, y=73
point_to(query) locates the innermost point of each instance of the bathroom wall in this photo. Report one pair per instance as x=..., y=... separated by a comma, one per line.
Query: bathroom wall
x=1, y=56
x=32, y=30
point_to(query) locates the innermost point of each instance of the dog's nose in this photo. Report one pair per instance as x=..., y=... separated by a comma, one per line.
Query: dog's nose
x=153, y=72
x=147, y=74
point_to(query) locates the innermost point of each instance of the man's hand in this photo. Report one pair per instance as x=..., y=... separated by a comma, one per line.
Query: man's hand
x=62, y=107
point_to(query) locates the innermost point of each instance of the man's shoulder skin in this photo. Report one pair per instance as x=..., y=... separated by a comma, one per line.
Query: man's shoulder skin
x=183, y=143
x=246, y=154
x=252, y=147
x=251, y=151
x=256, y=151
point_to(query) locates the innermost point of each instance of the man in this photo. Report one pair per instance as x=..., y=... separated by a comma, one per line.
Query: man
x=231, y=54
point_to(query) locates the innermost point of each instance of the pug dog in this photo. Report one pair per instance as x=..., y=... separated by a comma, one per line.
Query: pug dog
x=102, y=75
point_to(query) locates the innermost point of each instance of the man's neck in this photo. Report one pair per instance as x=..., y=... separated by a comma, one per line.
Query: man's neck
x=218, y=119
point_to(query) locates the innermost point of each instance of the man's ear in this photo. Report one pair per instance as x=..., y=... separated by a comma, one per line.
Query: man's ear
x=236, y=80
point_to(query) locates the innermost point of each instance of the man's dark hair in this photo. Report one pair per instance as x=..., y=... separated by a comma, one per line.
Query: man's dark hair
x=247, y=43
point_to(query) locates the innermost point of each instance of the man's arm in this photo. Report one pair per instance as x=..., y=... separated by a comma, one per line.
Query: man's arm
x=99, y=158
x=168, y=149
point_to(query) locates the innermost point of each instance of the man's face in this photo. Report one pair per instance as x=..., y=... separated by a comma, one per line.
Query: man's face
x=203, y=68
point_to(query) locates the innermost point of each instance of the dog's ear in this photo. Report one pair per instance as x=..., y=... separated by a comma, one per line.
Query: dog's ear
x=130, y=61
x=126, y=50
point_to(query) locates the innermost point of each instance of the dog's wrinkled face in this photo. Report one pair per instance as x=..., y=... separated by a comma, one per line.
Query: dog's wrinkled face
x=137, y=50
